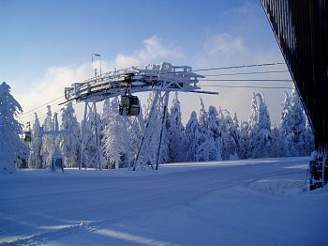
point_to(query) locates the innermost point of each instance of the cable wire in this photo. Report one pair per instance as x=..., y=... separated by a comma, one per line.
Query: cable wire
x=250, y=86
x=51, y=102
x=240, y=66
x=245, y=73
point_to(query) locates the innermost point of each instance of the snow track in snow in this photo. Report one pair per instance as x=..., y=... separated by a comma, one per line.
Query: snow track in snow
x=246, y=202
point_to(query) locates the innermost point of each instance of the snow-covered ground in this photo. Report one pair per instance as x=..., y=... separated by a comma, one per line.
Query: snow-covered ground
x=253, y=202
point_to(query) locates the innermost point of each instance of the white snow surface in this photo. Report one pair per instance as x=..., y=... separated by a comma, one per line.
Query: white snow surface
x=245, y=202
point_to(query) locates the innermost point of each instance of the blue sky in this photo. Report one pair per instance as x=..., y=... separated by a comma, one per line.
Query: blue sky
x=48, y=43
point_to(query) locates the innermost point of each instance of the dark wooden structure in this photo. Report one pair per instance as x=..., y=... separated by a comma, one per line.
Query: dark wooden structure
x=301, y=30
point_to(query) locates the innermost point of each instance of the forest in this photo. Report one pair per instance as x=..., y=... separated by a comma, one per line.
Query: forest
x=211, y=134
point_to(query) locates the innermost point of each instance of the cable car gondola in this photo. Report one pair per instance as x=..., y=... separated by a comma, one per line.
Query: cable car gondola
x=129, y=105
x=27, y=133
x=27, y=136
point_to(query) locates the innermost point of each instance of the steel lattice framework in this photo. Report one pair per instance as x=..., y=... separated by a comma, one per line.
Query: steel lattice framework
x=161, y=79
x=165, y=77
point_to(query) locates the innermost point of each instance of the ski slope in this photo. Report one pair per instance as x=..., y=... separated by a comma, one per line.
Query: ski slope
x=248, y=202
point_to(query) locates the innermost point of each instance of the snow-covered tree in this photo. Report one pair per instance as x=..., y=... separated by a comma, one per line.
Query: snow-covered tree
x=10, y=128
x=235, y=133
x=135, y=135
x=254, y=118
x=105, y=119
x=294, y=130
x=147, y=106
x=89, y=141
x=48, y=140
x=285, y=124
x=260, y=124
x=191, y=136
x=56, y=133
x=229, y=135
x=175, y=131
x=252, y=125
x=244, y=141
x=299, y=130
x=35, y=158
x=203, y=117
x=276, y=146
x=215, y=134
x=205, y=140
x=115, y=144
x=71, y=137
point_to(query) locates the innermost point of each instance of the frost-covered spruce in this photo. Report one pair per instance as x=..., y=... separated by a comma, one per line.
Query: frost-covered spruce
x=214, y=123
x=296, y=136
x=71, y=137
x=135, y=135
x=285, y=126
x=48, y=140
x=35, y=158
x=260, y=124
x=244, y=141
x=105, y=119
x=115, y=144
x=57, y=135
x=235, y=133
x=229, y=135
x=276, y=147
x=205, y=141
x=298, y=127
x=148, y=105
x=191, y=136
x=10, y=128
x=175, y=132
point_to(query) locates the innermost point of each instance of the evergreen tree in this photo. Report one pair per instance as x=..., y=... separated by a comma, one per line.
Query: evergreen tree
x=148, y=105
x=235, y=133
x=276, y=147
x=254, y=118
x=205, y=140
x=191, y=136
x=229, y=135
x=261, y=128
x=115, y=145
x=35, y=158
x=48, y=140
x=71, y=137
x=10, y=128
x=105, y=119
x=244, y=141
x=175, y=131
x=214, y=126
x=202, y=115
x=285, y=124
x=295, y=133
x=56, y=133
x=89, y=141
x=135, y=136
x=299, y=130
